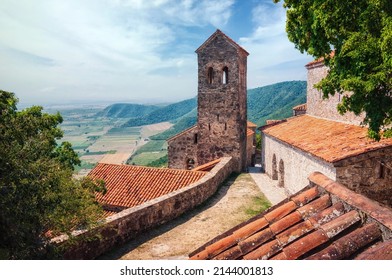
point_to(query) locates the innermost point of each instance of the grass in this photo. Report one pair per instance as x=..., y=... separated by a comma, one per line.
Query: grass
x=84, y=165
x=88, y=153
x=258, y=205
x=152, y=146
x=145, y=159
x=124, y=131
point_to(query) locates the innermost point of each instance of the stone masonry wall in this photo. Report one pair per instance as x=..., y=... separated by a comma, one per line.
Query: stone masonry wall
x=132, y=222
x=293, y=166
x=325, y=108
x=222, y=104
x=369, y=174
x=182, y=148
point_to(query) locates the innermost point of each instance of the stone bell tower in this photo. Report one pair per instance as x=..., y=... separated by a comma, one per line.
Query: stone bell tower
x=222, y=100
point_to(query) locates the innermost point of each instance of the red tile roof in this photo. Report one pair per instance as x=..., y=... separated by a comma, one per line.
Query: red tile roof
x=318, y=222
x=329, y=140
x=129, y=186
x=249, y=124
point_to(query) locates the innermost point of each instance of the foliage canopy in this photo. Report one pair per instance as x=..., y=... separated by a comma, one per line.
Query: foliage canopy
x=359, y=33
x=38, y=196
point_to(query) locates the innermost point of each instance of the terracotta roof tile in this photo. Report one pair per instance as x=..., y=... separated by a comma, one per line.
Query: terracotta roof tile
x=341, y=223
x=129, y=186
x=286, y=222
x=295, y=232
x=315, y=206
x=381, y=251
x=312, y=224
x=329, y=140
x=255, y=240
x=280, y=212
x=250, y=228
x=349, y=244
x=305, y=244
x=306, y=196
x=265, y=251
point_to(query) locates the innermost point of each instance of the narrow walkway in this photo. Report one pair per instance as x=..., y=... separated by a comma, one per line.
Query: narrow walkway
x=237, y=200
x=267, y=186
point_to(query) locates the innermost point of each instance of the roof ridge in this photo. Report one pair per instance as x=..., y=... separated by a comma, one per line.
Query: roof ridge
x=147, y=167
x=182, y=132
x=231, y=41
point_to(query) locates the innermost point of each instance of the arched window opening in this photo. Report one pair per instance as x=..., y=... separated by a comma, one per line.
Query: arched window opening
x=274, y=168
x=190, y=164
x=195, y=138
x=209, y=126
x=225, y=126
x=281, y=174
x=217, y=117
x=381, y=174
x=225, y=75
x=210, y=75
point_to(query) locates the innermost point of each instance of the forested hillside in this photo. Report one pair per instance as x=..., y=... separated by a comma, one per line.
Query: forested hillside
x=125, y=110
x=269, y=102
x=168, y=113
x=275, y=101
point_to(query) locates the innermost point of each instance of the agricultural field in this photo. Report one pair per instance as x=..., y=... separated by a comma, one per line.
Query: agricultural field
x=99, y=139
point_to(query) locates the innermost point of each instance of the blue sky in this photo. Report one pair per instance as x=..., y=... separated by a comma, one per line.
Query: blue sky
x=55, y=51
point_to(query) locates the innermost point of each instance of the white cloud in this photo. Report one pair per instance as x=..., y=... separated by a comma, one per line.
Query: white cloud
x=273, y=57
x=100, y=48
x=55, y=50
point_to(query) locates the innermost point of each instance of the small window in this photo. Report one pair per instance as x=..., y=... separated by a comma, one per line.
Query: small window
x=217, y=117
x=195, y=138
x=190, y=164
x=210, y=75
x=225, y=126
x=225, y=75
x=209, y=126
x=381, y=174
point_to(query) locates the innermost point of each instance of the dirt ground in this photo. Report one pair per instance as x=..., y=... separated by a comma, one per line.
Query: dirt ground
x=236, y=201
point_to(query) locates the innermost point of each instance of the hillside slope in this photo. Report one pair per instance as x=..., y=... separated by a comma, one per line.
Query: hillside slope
x=269, y=102
x=168, y=113
x=275, y=101
x=126, y=110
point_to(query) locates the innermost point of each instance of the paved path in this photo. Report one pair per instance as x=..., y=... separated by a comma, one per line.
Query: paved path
x=267, y=186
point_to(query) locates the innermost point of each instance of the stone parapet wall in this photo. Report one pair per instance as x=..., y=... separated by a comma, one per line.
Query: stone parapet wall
x=132, y=222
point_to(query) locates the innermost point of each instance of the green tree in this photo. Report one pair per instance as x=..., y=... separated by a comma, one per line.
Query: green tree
x=39, y=198
x=360, y=35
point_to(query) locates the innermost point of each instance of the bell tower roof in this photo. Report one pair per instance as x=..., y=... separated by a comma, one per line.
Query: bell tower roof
x=219, y=33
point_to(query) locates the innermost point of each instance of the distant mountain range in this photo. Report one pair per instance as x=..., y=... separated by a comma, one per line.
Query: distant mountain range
x=269, y=102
